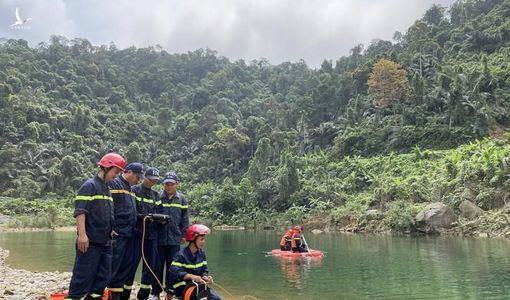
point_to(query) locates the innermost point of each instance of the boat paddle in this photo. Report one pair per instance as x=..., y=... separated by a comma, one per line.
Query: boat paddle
x=306, y=243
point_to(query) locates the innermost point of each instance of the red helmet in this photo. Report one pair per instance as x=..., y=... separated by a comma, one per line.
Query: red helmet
x=112, y=160
x=297, y=228
x=195, y=230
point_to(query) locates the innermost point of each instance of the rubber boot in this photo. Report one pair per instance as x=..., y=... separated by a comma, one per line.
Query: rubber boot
x=143, y=294
x=115, y=296
x=125, y=294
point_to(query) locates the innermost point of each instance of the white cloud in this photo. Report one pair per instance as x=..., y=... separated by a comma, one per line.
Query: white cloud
x=280, y=30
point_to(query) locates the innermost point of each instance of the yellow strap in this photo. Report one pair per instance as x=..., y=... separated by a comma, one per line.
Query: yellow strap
x=175, y=205
x=95, y=197
x=178, y=284
x=200, y=264
x=115, y=289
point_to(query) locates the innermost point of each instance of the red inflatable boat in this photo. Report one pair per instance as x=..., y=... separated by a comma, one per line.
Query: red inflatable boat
x=278, y=252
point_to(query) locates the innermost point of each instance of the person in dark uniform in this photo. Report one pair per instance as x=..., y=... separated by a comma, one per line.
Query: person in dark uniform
x=171, y=234
x=146, y=204
x=125, y=216
x=94, y=223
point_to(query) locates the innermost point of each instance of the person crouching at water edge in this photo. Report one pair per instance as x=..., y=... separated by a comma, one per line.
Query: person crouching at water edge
x=94, y=223
x=189, y=267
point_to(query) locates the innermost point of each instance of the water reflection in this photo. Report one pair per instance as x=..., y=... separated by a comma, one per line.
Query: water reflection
x=297, y=269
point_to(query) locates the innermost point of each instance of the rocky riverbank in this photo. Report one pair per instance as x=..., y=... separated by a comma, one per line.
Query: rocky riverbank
x=18, y=284
x=434, y=218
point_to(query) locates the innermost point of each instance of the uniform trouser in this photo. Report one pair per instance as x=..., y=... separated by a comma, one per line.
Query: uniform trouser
x=122, y=262
x=286, y=247
x=150, y=251
x=165, y=255
x=91, y=272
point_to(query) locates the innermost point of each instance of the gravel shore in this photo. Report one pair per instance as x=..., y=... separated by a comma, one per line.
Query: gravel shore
x=18, y=284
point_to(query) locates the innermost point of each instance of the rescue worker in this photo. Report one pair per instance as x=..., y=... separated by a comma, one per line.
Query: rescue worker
x=94, y=223
x=286, y=240
x=190, y=264
x=296, y=243
x=124, y=204
x=171, y=234
x=146, y=203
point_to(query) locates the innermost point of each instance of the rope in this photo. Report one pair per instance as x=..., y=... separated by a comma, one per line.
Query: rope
x=230, y=294
x=143, y=256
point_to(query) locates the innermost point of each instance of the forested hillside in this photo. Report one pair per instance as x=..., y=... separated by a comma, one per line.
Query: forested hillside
x=258, y=142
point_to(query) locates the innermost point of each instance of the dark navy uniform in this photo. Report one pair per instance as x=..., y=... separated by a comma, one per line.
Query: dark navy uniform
x=171, y=233
x=187, y=263
x=92, y=269
x=146, y=203
x=124, y=225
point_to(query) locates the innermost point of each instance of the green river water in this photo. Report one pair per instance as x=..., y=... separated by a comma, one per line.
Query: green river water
x=354, y=266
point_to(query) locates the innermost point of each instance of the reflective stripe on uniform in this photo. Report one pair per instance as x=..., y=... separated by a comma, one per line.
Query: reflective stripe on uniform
x=146, y=200
x=95, y=197
x=115, y=289
x=200, y=264
x=175, y=205
x=95, y=295
x=122, y=192
x=128, y=287
x=145, y=286
x=178, y=284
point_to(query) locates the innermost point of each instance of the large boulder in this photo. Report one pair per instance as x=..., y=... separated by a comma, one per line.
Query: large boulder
x=317, y=231
x=468, y=194
x=469, y=210
x=435, y=217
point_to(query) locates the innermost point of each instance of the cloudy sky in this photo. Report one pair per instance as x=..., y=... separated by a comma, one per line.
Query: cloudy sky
x=279, y=30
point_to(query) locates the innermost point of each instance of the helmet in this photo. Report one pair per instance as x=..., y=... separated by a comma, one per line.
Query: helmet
x=195, y=230
x=112, y=160
x=297, y=228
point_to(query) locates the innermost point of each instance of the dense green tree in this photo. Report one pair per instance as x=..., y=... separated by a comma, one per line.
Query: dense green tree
x=258, y=128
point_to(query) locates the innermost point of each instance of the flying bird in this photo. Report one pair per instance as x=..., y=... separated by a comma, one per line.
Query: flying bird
x=19, y=20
